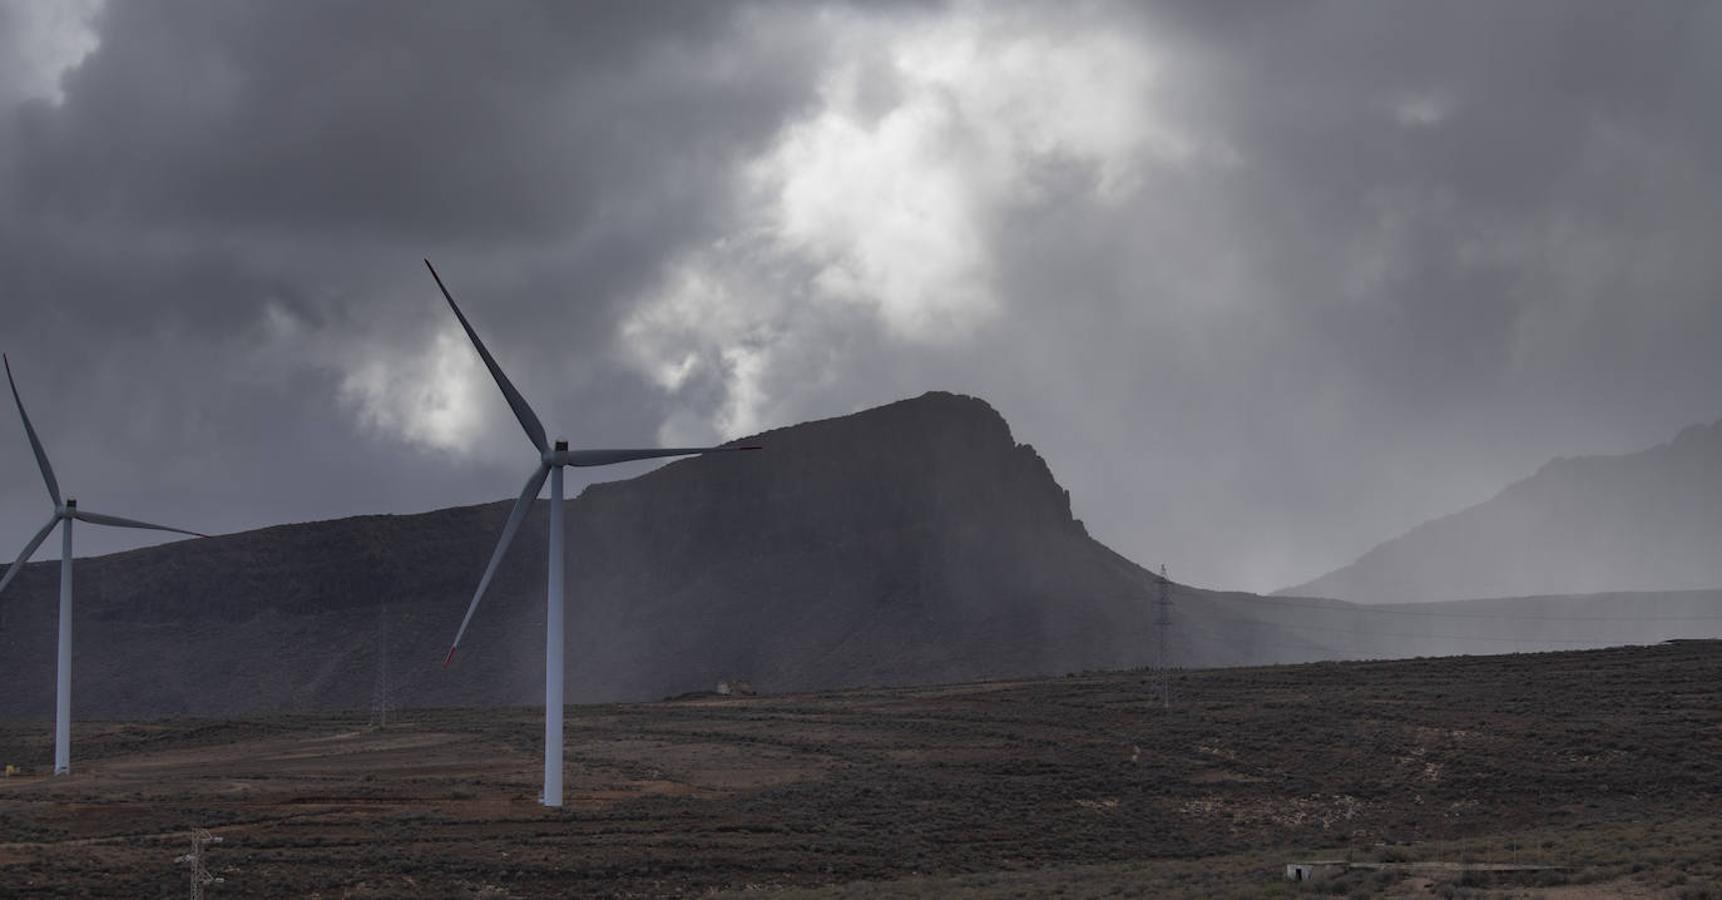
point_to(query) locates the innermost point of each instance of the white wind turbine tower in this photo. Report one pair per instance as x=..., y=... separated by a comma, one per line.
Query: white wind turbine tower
x=552, y=458
x=65, y=512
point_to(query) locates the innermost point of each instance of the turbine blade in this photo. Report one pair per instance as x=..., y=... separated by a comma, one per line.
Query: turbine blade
x=523, y=412
x=29, y=549
x=515, y=517
x=83, y=515
x=610, y=457
x=35, y=443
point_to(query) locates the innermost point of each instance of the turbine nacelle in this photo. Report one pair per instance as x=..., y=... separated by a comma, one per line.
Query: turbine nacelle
x=65, y=509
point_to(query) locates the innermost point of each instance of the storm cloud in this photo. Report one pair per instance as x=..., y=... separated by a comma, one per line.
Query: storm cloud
x=1265, y=283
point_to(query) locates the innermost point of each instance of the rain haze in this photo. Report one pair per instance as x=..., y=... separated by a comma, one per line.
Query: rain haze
x=1191, y=447
x=1265, y=283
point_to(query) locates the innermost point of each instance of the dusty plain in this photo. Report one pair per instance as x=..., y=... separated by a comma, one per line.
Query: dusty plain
x=1606, y=763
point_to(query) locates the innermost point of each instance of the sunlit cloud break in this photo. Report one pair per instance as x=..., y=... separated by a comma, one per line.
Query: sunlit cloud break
x=879, y=200
x=434, y=399
x=48, y=40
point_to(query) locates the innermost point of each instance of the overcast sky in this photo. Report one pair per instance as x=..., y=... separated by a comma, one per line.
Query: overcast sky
x=1265, y=283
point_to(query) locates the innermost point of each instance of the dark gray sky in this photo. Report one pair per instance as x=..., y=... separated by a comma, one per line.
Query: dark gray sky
x=1265, y=283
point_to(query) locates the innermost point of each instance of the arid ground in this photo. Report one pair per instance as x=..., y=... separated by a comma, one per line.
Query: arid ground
x=1605, y=763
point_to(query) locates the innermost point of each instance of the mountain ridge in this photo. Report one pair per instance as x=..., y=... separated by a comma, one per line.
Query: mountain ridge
x=1647, y=521
x=913, y=543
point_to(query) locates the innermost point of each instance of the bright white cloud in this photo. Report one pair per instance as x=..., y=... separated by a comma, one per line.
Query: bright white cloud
x=432, y=398
x=47, y=38
x=881, y=200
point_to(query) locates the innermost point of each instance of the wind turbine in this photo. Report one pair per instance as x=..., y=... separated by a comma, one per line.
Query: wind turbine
x=65, y=512
x=551, y=460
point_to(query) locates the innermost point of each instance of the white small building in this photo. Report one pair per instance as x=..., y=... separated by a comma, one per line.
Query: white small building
x=1314, y=869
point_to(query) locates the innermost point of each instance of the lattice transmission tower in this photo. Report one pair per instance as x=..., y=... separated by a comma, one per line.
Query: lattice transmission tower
x=380, y=690
x=200, y=874
x=1162, y=690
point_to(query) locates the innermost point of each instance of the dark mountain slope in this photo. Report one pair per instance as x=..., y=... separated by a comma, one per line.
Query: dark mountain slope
x=912, y=543
x=1647, y=521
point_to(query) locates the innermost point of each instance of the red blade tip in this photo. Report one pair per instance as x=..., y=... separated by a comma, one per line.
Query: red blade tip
x=449, y=658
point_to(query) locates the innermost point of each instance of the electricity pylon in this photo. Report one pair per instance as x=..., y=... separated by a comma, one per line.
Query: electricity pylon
x=1162, y=689
x=380, y=690
x=200, y=875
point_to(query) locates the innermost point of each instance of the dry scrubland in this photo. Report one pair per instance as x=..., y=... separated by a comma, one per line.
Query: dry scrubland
x=1609, y=762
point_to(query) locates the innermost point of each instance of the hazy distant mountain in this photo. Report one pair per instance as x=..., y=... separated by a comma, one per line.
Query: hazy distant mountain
x=1637, y=522
x=912, y=543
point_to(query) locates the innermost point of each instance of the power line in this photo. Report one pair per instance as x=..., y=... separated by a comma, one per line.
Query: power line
x=1389, y=634
x=1231, y=642
x=1311, y=651
x=1388, y=611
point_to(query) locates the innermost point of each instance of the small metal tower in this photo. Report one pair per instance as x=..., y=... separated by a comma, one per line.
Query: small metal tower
x=200, y=874
x=380, y=690
x=1162, y=630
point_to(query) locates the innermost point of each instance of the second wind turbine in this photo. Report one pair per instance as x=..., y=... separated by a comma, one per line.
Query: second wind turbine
x=552, y=459
x=66, y=512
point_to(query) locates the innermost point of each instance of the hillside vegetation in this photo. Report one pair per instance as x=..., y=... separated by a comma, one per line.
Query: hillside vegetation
x=1604, y=762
